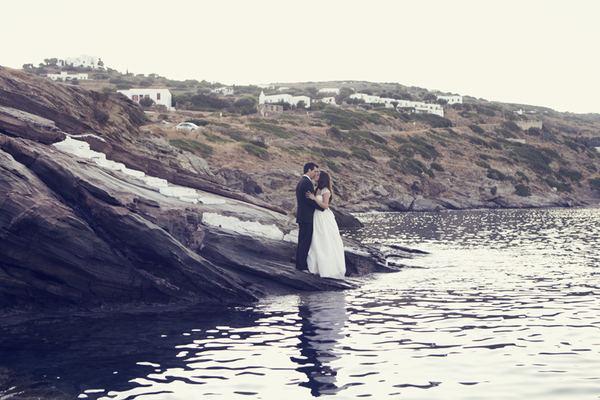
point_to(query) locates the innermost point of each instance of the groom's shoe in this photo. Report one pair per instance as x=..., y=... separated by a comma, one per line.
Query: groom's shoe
x=301, y=268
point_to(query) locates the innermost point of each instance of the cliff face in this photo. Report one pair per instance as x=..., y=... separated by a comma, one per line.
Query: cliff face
x=80, y=229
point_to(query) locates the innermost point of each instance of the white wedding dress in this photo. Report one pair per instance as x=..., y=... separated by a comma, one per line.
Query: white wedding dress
x=326, y=254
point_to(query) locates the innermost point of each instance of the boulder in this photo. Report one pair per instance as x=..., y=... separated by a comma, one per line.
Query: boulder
x=423, y=204
x=379, y=190
x=345, y=220
x=401, y=203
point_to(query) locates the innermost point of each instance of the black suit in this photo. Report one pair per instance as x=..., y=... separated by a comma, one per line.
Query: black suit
x=305, y=209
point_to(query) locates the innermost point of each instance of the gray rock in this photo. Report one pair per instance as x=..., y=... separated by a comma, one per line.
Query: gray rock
x=346, y=220
x=401, y=203
x=379, y=190
x=422, y=204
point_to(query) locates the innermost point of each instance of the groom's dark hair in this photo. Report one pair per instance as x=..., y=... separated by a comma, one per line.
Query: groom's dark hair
x=310, y=165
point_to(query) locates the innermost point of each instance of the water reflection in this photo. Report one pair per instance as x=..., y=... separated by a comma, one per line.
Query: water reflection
x=322, y=319
x=506, y=306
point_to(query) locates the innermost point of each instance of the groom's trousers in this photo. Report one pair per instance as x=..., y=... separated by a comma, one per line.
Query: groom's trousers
x=305, y=234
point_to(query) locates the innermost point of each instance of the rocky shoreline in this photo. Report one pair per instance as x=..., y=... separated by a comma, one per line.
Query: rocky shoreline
x=90, y=221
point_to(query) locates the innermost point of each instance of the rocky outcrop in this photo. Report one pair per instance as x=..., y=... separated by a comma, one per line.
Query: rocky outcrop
x=345, y=220
x=85, y=231
x=29, y=126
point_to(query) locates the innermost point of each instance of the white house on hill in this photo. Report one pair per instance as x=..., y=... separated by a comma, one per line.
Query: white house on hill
x=328, y=100
x=416, y=106
x=81, y=61
x=65, y=76
x=428, y=108
x=159, y=96
x=335, y=91
x=283, y=98
x=451, y=99
x=224, y=90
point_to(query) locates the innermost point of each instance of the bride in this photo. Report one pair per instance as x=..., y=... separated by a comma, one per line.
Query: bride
x=326, y=254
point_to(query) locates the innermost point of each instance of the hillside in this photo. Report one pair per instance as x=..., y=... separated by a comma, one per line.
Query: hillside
x=476, y=156
x=97, y=214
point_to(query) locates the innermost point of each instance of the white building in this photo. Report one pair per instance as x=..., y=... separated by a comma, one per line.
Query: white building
x=159, y=96
x=451, y=99
x=428, y=108
x=328, y=100
x=416, y=106
x=335, y=91
x=283, y=98
x=81, y=61
x=65, y=76
x=368, y=98
x=224, y=90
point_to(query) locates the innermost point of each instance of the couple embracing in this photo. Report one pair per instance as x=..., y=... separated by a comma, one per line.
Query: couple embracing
x=320, y=248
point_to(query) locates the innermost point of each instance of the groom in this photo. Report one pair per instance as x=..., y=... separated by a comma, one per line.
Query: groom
x=305, y=209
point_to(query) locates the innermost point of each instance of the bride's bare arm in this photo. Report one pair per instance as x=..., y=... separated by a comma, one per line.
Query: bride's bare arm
x=323, y=204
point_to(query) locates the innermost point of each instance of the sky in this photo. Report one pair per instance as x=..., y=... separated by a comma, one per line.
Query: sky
x=538, y=52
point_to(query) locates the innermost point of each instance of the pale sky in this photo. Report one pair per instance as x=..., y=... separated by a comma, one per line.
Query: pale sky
x=528, y=51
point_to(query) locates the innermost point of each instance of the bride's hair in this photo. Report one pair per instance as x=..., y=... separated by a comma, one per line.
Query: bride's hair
x=325, y=182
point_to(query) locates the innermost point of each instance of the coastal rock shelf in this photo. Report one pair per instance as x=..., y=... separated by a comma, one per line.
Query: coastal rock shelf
x=82, y=229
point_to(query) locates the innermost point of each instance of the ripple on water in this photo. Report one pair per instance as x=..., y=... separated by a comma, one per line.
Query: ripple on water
x=506, y=306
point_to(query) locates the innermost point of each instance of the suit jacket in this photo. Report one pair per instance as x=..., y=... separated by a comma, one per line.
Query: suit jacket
x=305, y=207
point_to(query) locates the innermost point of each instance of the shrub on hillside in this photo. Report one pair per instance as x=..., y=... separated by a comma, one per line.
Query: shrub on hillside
x=328, y=152
x=495, y=174
x=511, y=126
x=349, y=119
x=522, y=190
x=272, y=129
x=245, y=106
x=485, y=110
x=359, y=136
x=362, y=154
x=193, y=146
x=333, y=166
x=199, y=122
x=146, y=102
x=560, y=186
x=482, y=164
x=535, y=158
x=257, y=151
x=335, y=132
x=476, y=128
x=478, y=141
x=100, y=116
x=434, y=121
x=410, y=166
x=571, y=174
x=417, y=145
x=574, y=145
x=260, y=142
x=522, y=176
x=235, y=135
x=595, y=184
x=534, y=132
x=436, y=166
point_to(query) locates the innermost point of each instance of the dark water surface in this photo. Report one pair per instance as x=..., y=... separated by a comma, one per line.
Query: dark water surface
x=506, y=306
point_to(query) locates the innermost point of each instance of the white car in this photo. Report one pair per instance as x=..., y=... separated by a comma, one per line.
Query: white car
x=186, y=126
